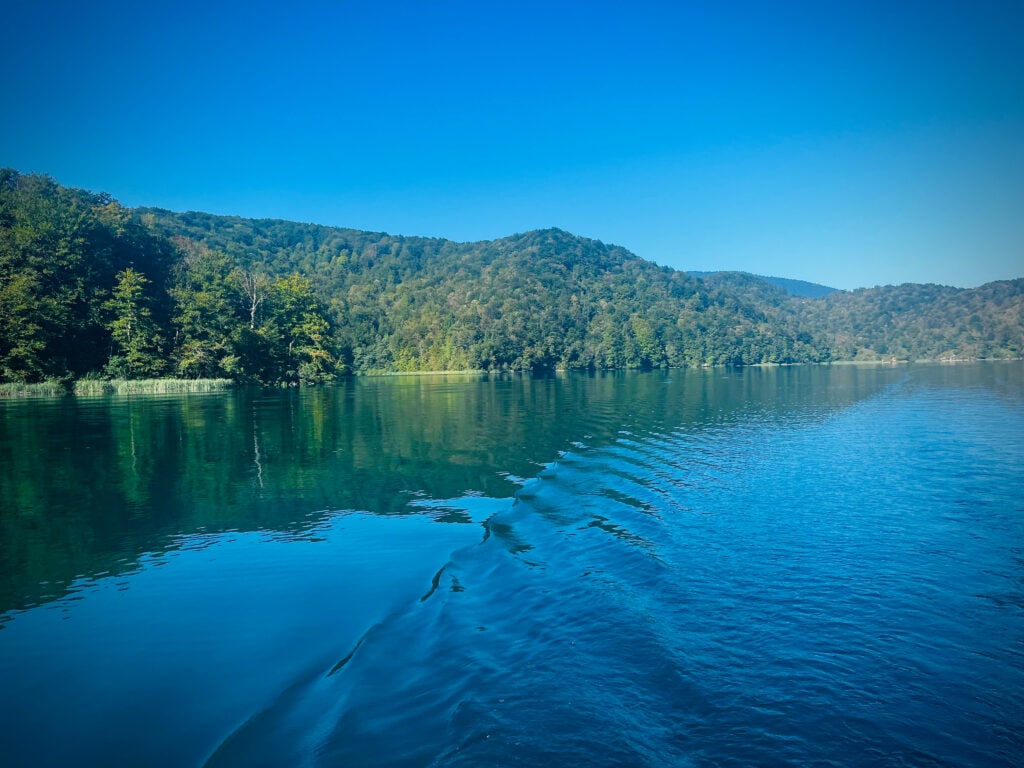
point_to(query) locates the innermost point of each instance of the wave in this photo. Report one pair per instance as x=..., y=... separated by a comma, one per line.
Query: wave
x=750, y=594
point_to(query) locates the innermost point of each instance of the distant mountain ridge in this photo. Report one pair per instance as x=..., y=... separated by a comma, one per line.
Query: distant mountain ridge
x=88, y=286
x=799, y=288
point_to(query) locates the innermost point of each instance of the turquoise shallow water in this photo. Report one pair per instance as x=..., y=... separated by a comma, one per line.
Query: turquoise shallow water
x=807, y=566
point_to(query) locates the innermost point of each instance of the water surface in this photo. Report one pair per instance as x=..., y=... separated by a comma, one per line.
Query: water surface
x=769, y=566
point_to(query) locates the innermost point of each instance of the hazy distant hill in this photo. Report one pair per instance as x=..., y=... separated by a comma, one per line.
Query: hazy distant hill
x=89, y=286
x=800, y=288
x=922, y=321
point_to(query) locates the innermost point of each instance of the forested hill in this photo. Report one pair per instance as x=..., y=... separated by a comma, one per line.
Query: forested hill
x=800, y=288
x=915, y=321
x=87, y=286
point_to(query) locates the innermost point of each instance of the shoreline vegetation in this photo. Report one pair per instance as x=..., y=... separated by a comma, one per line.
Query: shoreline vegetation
x=101, y=387
x=91, y=291
x=106, y=387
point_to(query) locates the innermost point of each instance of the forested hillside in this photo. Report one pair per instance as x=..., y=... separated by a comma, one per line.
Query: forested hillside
x=800, y=288
x=88, y=287
x=541, y=299
x=914, y=322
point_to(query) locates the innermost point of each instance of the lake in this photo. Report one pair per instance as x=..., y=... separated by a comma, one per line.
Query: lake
x=767, y=566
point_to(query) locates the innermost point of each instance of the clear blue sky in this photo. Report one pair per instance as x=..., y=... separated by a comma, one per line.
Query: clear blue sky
x=847, y=143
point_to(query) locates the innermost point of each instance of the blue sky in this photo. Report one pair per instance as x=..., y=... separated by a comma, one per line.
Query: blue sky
x=851, y=144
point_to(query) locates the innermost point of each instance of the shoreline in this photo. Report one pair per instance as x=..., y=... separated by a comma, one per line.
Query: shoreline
x=106, y=387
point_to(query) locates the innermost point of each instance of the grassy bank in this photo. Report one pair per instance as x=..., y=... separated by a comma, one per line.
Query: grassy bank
x=94, y=387
x=149, y=386
x=43, y=389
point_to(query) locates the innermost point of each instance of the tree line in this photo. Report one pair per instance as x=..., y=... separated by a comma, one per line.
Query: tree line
x=86, y=289
x=90, y=288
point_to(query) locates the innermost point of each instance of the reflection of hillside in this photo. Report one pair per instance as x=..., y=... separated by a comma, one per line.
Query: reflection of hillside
x=86, y=486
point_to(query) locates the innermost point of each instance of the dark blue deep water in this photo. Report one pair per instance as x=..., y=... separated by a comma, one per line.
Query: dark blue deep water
x=795, y=566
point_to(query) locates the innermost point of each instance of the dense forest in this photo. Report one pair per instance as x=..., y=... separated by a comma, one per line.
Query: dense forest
x=800, y=288
x=89, y=288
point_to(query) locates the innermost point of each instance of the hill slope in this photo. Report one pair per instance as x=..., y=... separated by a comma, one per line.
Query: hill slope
x=89, y=286
x=914, y=321
x=798, y=288
x=541, y=299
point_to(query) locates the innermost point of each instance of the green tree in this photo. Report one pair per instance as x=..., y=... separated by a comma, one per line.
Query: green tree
x=205, y=314
x=133, y=334
x=22, y=338
x=300, y=326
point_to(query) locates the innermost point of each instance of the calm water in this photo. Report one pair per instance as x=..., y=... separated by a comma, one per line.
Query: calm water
x=803, y=566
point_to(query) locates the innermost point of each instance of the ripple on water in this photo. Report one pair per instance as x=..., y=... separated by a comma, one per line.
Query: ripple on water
x=799, y=594
x=721, y=570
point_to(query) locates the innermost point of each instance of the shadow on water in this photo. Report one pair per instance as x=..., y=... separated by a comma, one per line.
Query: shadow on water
x=89, y=485
x=637, y=568
x=628, y=609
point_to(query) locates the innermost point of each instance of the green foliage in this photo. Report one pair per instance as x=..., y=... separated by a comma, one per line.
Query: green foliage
x=60, y=250
x=132, y=331
x=301, y=331
x=205, y=313
x=42, y=389
x=917, y=322
x=97, y=387
x=240, y=323
x=86, y=285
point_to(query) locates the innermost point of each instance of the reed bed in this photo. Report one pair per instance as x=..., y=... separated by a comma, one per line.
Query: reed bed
x=42, y=389
x=149, y=386
x=98, y=387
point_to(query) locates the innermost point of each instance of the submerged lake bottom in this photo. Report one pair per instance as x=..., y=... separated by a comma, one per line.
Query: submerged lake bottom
x=794, y=566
